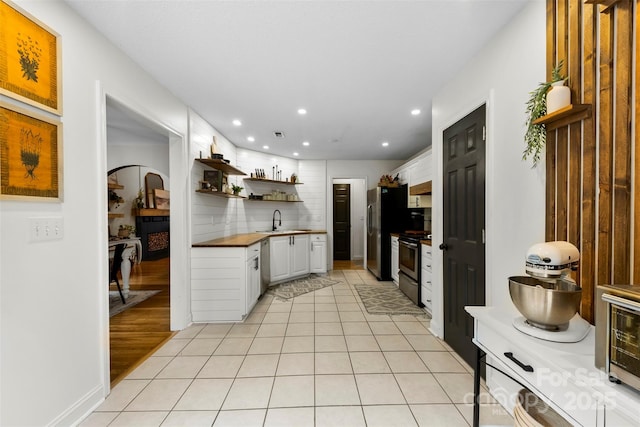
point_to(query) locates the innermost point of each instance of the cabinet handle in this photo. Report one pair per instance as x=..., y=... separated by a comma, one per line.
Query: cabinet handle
x=526, y=368
x=257, y=263
x=311, y=246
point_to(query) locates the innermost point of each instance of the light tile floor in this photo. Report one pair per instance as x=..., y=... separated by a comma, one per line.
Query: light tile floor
x=316, y=360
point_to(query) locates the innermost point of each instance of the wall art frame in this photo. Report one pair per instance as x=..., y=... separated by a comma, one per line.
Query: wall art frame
x=30, y=155
x=30, y=55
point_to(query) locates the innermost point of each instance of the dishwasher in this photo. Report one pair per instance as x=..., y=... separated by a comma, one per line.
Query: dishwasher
x=265, y=267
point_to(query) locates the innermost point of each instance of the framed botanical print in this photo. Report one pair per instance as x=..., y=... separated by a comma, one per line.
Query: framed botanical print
x=29, y=60
x=30, y=155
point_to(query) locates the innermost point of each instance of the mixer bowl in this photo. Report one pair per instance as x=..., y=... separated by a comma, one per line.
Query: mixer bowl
x=545, y=304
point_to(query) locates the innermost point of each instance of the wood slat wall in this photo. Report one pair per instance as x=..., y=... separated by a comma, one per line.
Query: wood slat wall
x=588, y=162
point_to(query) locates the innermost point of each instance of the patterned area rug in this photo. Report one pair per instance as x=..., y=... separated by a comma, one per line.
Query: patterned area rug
x=386, y=298
x=298, y=287
x=135, y=297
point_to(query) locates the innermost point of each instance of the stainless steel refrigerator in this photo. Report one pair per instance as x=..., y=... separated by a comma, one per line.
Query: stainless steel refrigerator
x=387, y=213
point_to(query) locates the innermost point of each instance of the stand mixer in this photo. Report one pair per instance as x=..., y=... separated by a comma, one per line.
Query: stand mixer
x=549, y=299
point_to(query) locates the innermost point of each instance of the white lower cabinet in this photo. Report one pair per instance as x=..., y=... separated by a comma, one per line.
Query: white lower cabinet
x=395, y=261
x=225, y=283
x=318, y=253
x=425, y=278
x=289, y=257
x=253, y=276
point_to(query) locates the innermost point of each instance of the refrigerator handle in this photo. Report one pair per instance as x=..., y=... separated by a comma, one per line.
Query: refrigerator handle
x=369, y=219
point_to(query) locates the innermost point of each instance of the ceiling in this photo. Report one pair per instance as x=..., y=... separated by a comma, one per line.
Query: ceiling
x=358, y=67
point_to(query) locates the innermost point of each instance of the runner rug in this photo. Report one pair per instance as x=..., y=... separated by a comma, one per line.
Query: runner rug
x=302, y=286
x=135, y=297
x=386, y=298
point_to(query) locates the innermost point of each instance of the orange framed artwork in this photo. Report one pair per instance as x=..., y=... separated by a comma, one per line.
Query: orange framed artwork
x=30, y=155
x=29, y=60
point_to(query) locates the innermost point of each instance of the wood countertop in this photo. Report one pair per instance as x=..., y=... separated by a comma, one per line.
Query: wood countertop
x=248, y=239
x=426, y=242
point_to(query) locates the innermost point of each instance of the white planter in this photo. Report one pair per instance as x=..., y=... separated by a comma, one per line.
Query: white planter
x=559, y=96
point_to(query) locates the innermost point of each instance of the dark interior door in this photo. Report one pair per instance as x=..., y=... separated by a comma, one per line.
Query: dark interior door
x=341, y=221
x=464, y=219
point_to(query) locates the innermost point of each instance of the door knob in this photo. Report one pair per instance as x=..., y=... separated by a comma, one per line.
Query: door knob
x=443, y=246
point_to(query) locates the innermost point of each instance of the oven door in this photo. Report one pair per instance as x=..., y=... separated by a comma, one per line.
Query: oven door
x=409, y=258
x=623, y=351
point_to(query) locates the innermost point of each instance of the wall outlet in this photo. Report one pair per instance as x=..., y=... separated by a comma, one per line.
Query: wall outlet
x=44, y=229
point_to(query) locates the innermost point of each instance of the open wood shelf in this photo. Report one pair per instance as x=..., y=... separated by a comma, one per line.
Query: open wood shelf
x=221, y=166
x=150, y=212
x=115, y=215
x=565, y=116
x=219, y=194
x=272, y=181
x=112, y=186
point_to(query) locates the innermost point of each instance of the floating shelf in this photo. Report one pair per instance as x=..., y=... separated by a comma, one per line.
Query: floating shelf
x=272, y=181
x=115, y=215
x=113, y=186
x=565, y=116
x=219, y=194
x=150, y=212
x=221, y=166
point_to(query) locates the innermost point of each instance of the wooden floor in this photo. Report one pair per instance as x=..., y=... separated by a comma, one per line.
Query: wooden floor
x=347, y=265
x=138, y=331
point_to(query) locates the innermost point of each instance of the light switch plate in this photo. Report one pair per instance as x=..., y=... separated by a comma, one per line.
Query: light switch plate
x=45, y=229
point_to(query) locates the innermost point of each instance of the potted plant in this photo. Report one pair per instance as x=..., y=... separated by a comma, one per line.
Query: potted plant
x=536, y=134
x=126, y=230
x=236, y=189
x=139, y=200
x=115, y=199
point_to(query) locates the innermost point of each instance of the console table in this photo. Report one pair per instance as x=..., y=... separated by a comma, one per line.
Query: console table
x=563, y=375
x=133, y=250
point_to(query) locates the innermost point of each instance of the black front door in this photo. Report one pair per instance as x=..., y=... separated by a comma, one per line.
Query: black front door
x=341, y=222
x=464, y=219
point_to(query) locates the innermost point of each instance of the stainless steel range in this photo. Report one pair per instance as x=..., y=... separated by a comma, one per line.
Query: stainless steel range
x=409, y=262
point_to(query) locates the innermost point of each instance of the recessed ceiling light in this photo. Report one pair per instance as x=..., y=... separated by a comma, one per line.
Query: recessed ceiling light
x=237, y=122
x=266, y=147
x=415, y=112
x=305, y=143
x=385, y=144
x=302, y=111
x=250, y=139
x=296, y=154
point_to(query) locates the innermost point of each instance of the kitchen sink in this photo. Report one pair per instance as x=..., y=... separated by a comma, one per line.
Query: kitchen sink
x=283, y=231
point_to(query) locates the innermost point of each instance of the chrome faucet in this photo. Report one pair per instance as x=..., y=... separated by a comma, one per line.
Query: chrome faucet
x=274, y=219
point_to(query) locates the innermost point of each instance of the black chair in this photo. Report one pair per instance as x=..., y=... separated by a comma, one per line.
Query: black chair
x=115, y=267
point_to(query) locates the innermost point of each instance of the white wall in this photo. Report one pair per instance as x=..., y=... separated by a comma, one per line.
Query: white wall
x=132, y=178
x=53, y=300
x=501, y=75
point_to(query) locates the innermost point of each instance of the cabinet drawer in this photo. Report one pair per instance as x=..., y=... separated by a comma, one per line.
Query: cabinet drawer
x=318, y=237
x=546, y=381
x=426, y=298
x=253, y=250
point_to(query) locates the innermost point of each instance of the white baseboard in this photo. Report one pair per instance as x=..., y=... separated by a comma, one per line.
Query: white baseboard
x=81, y=409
